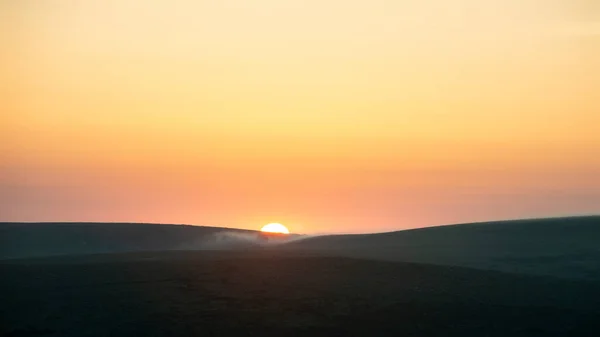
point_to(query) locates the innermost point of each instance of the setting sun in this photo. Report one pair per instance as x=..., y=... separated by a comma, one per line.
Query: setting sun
x=275, y=228
x=377, y=116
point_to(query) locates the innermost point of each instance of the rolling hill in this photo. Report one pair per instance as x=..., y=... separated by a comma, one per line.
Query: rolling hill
x=170, y=280
x=26, y=240
x=258, y=293
x=564, y=247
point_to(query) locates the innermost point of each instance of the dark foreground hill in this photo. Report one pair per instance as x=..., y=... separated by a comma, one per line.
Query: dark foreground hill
x=563, y=247
x=274, y=293
x=24, y=240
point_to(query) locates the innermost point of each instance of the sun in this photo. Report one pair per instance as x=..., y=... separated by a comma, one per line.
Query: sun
x=275, y=228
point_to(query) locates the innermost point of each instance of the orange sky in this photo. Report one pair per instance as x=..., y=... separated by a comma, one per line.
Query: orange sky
x=327, y=116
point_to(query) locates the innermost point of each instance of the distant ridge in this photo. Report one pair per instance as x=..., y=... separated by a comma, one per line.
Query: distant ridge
x=24, y=240
x=564, y=247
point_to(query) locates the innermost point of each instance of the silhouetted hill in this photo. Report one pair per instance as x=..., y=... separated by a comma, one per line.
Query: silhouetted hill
x=22, y=240
x=565, y=247
x=277, y=293
x=319, y=286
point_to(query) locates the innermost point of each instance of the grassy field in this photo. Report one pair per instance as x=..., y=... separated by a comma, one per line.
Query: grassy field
x=277, y=293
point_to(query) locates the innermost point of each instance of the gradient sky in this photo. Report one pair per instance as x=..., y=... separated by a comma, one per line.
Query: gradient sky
x=325, y=115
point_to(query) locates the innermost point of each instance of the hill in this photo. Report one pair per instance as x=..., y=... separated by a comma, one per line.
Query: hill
x=257, y=292
x=25, y=240
x=564, y=247
x=163, y=280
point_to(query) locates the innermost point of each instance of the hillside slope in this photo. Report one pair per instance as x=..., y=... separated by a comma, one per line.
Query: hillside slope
x=257, y=293
x=565, y=247
x=23, y=240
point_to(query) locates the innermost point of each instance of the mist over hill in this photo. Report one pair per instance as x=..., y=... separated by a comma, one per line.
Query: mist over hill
x=564, y=247
x=146, y=279
x=23, y=240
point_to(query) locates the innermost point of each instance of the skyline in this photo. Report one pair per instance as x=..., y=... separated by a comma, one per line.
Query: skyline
x=326, y=116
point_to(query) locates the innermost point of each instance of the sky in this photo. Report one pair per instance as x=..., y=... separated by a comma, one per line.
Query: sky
x=325, y=115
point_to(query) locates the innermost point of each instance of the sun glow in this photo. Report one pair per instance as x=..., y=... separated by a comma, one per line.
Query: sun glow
x=275, y=228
